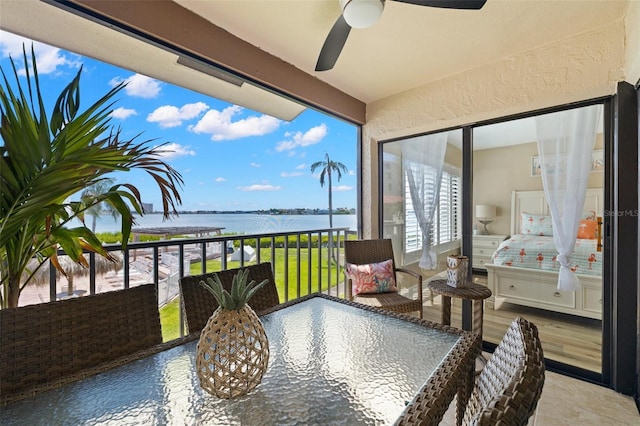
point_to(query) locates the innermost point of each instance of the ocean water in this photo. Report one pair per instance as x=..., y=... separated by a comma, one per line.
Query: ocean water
x=245, y=223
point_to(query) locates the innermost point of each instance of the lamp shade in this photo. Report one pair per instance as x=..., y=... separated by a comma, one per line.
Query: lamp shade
x=485, y=211
x=361, y=13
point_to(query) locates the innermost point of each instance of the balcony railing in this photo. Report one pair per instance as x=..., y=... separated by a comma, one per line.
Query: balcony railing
x=303, y=262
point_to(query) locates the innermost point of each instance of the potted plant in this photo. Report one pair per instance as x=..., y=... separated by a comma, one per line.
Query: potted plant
x=47, y=159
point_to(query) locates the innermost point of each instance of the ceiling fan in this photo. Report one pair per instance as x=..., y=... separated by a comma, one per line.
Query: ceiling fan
x=363, y=14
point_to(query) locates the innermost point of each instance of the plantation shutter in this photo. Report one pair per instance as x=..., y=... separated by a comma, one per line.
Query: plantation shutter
x=446, y=225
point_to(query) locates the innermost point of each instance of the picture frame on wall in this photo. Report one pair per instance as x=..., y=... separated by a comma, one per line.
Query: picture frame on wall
x=536, y=169
x=597, y=163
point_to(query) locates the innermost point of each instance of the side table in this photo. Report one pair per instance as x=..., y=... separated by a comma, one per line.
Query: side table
x=475, y=292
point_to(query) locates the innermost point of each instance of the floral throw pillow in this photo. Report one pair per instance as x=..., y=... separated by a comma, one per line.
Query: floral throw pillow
x=372, y=277
x=536, y=224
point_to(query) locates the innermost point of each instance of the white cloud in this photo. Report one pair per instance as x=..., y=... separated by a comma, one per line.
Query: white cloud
x=301, y=166
x=221, y=179
x=49, y=59
x=342, y=188
x=292, y=174
x=263, y=188
x=352, y=173
x=299, y=139
x=123, y=113
x=174, y=150
x=220, y=124
x=140, y=86
x=171, y=116
x=256, y=165
x=285, y=146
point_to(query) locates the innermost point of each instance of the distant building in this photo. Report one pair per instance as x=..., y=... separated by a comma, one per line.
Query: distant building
x=147, y=207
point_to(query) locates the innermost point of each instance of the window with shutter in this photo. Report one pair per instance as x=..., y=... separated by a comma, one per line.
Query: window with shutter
x=446, y=227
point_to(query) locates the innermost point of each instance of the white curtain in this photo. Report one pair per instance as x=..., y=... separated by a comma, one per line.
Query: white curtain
x=565, y=145
x=423, y=158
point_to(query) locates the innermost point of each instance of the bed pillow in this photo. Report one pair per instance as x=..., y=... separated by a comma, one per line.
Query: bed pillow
x=535, y=224
x=372, y=277
x=588, y=229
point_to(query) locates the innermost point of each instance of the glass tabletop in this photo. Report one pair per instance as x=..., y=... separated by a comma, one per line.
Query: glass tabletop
x=330, y=363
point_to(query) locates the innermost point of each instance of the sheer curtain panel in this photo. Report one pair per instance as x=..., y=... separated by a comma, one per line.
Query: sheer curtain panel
x=422, y=159
x=565, y=146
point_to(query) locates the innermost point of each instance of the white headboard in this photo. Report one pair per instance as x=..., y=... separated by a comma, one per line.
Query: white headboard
x=535, y=203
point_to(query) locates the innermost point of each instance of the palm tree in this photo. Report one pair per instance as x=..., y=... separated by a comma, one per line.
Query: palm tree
x=328, y=167
x=46, y=161
x=98, y=188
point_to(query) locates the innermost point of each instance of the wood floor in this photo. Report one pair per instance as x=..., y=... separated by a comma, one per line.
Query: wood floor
x=568, y=339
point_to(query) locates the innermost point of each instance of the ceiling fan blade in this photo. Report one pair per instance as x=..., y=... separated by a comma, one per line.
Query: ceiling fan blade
x=448, y=4
x=333, y=45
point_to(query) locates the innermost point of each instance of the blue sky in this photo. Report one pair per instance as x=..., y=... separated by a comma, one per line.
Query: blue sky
x=231, y=158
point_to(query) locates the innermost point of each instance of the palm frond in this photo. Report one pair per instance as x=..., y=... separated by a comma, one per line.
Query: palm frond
x=44, y=162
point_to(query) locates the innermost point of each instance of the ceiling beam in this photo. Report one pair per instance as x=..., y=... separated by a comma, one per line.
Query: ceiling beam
x=169, y=24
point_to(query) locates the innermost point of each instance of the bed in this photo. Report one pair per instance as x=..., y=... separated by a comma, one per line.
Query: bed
x=523, y=270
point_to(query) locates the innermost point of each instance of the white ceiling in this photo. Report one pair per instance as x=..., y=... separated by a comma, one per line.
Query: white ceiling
x=410, y=46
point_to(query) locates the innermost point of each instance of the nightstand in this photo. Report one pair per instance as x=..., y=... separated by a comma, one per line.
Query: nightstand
x=483, y=248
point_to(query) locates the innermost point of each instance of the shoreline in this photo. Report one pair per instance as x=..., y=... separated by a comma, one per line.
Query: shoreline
x=238, y=223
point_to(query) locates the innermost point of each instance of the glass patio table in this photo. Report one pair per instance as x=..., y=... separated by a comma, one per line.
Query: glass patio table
x=331, y=362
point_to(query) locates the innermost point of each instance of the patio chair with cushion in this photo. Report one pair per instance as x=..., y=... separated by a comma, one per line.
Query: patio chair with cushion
x=372, y=277
x=198, y=304
x=509, y=387
x=44, y=345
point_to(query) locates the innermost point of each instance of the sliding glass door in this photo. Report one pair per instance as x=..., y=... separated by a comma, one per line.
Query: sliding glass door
x=517, y=247
x=525, y=171
x=421, y=183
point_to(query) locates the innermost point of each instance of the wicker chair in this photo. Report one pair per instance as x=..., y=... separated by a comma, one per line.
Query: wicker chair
x=362, y=252
x=509, y=387
x=45, y=343
x=198, y=304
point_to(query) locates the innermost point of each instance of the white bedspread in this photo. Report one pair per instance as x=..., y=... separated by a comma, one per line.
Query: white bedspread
x=536, y=252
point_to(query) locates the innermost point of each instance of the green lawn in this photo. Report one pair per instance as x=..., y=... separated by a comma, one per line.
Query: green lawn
x=279, y=272
x=170, y=320
x=170, y=313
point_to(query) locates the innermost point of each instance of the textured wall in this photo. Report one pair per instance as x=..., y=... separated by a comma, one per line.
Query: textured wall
x=499, y=171
x=632, y=25
x=574, y=69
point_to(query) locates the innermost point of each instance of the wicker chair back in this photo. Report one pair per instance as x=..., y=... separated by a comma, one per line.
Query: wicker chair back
x=47, y=342
x=509, y=387
x=198, y=304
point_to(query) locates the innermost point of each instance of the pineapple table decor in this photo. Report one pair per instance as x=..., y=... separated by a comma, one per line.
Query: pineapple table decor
x=233, y=352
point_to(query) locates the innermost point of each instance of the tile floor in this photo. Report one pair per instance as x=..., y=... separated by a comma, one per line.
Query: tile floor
x=570, y=402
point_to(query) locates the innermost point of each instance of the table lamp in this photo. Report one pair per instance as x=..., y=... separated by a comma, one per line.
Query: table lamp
x=485, y=213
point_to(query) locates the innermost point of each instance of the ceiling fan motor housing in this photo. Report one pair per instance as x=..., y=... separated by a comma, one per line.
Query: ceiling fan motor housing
x=361, y=13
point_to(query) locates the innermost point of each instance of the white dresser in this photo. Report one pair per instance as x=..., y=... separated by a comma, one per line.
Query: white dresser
x=483, y=248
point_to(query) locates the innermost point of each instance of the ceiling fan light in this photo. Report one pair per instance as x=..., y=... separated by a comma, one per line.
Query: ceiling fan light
x=361, y=13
